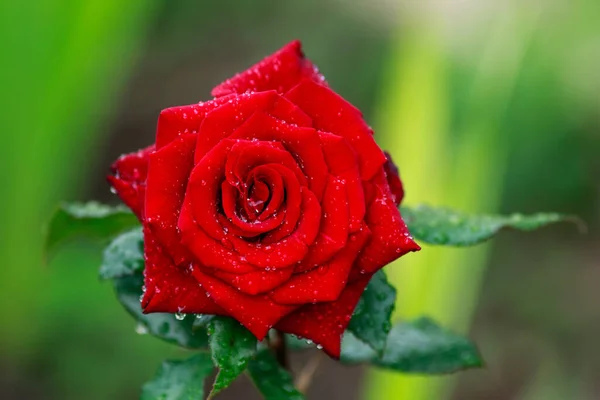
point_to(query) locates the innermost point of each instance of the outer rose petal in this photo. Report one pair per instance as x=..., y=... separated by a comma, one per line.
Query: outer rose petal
x=393, y=178
x=169, y=288
x=129, y=180
x=332, y=113
x=222, y=121
x=257, y=313
x=391, y=238
x=176, y=121
x=168, y=172
x=325, y=323
x=279, y=71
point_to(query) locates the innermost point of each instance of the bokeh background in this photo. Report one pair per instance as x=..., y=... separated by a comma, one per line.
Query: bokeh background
x=490, y=106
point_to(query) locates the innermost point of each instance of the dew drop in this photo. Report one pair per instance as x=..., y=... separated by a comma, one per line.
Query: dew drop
x=179, y=316
x=141, y=329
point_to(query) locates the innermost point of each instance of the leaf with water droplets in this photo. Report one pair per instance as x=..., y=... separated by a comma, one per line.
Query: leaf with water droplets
x=124, y=255
x=272, y=380
x=232, y=346
x=443, y=226
x=420, y=347
x=93, y=220
x=371, y=320
x=179, y=380
x=161, y=325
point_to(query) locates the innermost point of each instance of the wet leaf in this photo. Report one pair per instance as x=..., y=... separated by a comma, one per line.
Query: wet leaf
x=232, y=346
x=161, y=325
x=93, y=220
x=124, y=255
x=273, y=381
x=420, y=347
x=371, y=320
x=179, y=380
x=443, y=226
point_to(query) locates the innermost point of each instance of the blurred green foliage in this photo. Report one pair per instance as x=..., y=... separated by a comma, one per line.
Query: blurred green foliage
x=525, y=88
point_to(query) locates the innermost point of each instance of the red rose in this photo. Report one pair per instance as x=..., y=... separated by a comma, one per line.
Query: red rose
x=269, y=204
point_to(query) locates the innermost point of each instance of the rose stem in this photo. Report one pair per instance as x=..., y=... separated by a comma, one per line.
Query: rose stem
x=307, y=373
x=280, y=347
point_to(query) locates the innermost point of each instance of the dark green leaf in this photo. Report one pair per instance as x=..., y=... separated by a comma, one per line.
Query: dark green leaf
x=179, y=380
x=420, y=346
x=91, y=219
x=442, y=226
x=124, y=255
x=231, y=346
x=162, y=325
x=273, y=381
x=371, y=320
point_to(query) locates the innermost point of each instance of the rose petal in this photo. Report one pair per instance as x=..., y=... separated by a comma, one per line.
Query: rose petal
x=290, y=250
x=302, y=143
x=168, y=171
x=238, y=226
x=291, y=207
x=176, y=121
x=203, y=188
x=393, y=179
x=331, y=113
x=210, y=252
x=223, y=120
x=325, y=323
x=129, y=180
x=169, y=288
x=270, y=174
x=333, y=232
x=390, y=238
x=326, y=282
x=256, y=282
x=257, y=313
x=279, y=71
x=245, y=155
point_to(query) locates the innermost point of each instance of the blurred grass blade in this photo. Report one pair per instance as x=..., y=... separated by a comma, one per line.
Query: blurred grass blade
x=63, y=67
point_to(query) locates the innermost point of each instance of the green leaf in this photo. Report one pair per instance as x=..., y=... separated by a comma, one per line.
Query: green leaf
x=371, y=320
x=161, y=325
x=272, y=380
x=443, y=226
x=91, y=219
x=232, y=346
x=124, y=255
x=179, y=380
x=420, y=346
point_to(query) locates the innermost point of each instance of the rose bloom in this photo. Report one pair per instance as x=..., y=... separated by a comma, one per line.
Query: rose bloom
x=271, y=204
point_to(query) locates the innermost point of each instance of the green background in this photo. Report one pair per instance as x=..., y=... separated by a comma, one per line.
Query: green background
x=486, y=106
